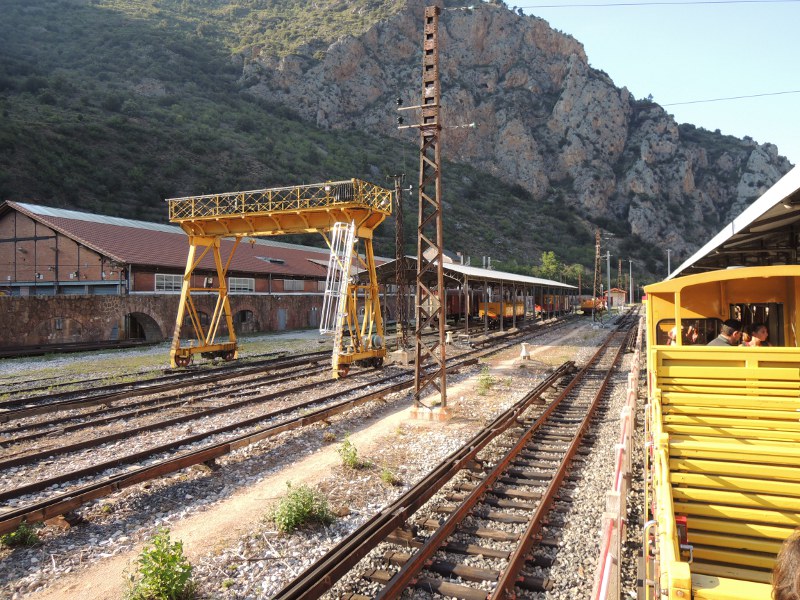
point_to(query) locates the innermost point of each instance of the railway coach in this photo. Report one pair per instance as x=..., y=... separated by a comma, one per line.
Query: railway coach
x=722, y=434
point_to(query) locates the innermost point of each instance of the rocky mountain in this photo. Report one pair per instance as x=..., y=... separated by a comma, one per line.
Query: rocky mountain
x=110, y=106
x=545, y=120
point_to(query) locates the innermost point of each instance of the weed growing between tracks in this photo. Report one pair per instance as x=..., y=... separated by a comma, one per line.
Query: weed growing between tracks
x=350, y=458
x=24, y=536
x=302, y=505
x=163, y=572
x=485, y=381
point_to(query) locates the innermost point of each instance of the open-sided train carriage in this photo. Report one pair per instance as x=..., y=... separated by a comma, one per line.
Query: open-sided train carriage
x=723, y=429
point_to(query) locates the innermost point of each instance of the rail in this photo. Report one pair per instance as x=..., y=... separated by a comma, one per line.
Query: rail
x=320, y=577
x=70, y=500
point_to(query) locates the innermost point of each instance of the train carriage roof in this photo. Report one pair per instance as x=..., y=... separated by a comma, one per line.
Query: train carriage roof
x=456, y=274
x=766, y=233
x=677, y=284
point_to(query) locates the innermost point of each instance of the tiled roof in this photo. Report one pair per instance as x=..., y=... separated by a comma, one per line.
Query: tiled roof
x=153, y=244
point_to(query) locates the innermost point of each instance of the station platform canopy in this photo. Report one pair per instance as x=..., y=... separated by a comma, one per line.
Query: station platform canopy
x=457, y=274
x=766, y=233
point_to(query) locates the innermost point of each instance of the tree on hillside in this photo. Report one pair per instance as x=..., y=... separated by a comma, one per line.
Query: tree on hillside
x=573, y=272
x=550, y=268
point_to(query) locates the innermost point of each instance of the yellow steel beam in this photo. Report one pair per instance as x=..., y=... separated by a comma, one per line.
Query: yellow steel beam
x=734, y=542
x=710, y=399
x=277, y=211
x=733, y=371
x=711, y=380
x=754, y=389
x=718, y=587
x=723, y=411
x=734, y=557
x=758, y=501
x=714, y=481
x=762, y=431
x=724, y=467
x=719, y=511
x=738, y=528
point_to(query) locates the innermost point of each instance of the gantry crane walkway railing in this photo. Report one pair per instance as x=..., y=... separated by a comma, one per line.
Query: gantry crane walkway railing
x=313, y=208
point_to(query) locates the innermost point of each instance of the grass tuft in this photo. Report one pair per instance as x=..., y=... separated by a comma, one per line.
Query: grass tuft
x=485, y=381
x=350, y=457
x=23, y=536
x=301, y=506
x=163, y=572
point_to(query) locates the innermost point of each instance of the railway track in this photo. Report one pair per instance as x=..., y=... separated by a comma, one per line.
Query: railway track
x=482, y=535
x=18, y=407
x=24, y=400
x=58, y=489
x=59, y=384
x=42, y=349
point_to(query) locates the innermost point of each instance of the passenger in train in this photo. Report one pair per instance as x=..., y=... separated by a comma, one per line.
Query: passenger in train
x=730, y=334
x=672, y=336
x=786, y=574
x=759, y=334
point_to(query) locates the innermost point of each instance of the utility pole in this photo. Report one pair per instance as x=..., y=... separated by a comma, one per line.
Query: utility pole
x=608, y=280
x=630, y=277
x=429, y=307
x=596, y=286
x=669, y=261
x=399, y=271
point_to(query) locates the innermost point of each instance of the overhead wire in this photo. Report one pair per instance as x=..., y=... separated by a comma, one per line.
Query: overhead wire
x=660, y=3
x=732, y=98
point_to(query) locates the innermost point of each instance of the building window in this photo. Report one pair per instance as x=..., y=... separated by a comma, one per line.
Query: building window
x=167, y=282
x=241, y=284
x=294, y=285
x=321, y=285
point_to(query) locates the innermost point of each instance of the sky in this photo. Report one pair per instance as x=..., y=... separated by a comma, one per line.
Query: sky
x=685, y=50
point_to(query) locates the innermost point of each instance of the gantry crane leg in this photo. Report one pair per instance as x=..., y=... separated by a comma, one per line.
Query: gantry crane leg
x=203, y=342
x=367, y=342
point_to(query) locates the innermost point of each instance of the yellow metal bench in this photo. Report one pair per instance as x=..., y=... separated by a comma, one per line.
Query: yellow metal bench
x=726, y=425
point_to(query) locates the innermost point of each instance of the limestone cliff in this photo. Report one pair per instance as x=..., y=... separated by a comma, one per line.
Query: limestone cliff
x=545, y=120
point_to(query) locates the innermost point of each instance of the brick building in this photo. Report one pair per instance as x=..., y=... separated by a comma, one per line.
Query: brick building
x=70, y=276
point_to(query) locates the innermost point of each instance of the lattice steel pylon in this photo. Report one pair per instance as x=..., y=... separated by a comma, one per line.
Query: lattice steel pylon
x=313, y=208
x=619, y=274
x=597, y=274
x=428, y=309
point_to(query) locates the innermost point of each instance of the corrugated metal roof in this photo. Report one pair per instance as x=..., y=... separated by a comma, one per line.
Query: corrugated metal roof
x=166, y=246
x=62, y=213
x=386, y=273
x=762, y=235
x=492, y=275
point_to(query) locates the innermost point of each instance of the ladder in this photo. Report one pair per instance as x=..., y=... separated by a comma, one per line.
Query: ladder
x=334, y=301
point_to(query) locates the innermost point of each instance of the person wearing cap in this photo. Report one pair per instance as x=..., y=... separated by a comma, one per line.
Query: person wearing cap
x=729, y=335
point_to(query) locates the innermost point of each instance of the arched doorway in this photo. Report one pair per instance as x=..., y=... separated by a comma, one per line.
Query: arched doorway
x=141, y=326
x=55, y=330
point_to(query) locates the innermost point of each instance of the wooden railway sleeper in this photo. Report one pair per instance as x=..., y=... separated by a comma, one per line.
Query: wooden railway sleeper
x=467, y=573
x=444, y=588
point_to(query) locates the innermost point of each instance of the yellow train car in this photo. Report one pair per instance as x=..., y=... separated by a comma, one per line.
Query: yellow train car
x=508, y=309
x=722, y=434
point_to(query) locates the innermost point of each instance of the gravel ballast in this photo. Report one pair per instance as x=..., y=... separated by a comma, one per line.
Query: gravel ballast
x=259, y=562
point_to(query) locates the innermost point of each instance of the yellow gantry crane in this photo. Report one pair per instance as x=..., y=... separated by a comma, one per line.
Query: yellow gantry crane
x=279, y=211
